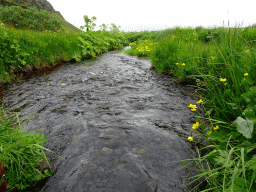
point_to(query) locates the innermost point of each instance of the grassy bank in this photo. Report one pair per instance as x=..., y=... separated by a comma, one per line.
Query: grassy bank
x=221, y=64
x=24, y=50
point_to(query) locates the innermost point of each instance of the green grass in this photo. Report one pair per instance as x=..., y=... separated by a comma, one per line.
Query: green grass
x=22, y=153
x=23, y=49
x=220, y=63
x=25, y=14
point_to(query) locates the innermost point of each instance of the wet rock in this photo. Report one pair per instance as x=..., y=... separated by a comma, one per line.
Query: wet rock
x=113, y=134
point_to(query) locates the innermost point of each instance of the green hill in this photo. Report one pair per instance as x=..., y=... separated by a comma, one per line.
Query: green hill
x=42, y=5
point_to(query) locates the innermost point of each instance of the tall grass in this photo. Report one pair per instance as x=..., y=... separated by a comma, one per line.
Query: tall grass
x=21, y=154
x=220, y=63
x=23, y=49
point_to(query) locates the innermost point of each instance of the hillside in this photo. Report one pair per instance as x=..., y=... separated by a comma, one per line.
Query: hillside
x=41, y=5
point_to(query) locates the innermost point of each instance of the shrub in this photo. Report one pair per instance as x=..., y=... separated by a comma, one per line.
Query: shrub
x=30, y=18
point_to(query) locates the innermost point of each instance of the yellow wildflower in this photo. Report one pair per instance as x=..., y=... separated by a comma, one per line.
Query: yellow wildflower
x=217, y=127
x=223, y=79
x=200, y=101
x=177, y=63
x=195, y=126
x=183, y=64
x=246, y=74
x=193, y=106
x=190, y=138
x=193, y=109
x=209, y=132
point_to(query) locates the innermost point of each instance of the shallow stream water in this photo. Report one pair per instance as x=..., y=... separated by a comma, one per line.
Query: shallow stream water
x=116, y=123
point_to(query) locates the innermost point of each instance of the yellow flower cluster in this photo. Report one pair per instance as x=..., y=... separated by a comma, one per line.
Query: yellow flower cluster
x=215, y=128
x=144, y=46
x=141, y=48
x=193, y=107
x=200, y=101
x=131, y=44
x=195, y=126
x=223, y=80
x=181, y=64
x=190, y=138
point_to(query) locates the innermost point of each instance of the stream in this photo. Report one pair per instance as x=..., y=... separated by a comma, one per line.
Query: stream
x=115, y=122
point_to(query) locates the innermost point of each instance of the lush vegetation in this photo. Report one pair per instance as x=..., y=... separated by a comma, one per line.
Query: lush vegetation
x=141, y=48
x=21, y=154
x=13, y=12
x=221, y=64
x=27, y=49
x=28, y=18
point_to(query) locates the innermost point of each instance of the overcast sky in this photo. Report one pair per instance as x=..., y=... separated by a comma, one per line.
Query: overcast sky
x=140, y=15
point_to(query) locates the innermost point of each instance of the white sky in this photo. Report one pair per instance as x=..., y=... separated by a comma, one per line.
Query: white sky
x=140, y=15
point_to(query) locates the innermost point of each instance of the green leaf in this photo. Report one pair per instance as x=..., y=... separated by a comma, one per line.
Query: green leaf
x=249, y=94
x=198, y=118
x=238, y=99
x=249, y=113
x=48, y=173
x=222, y=158
x=251, y=164
x=244, y=126
x=210, y=156
x=235, y=135
x=236, y=188
x=219, y=135
x=208, y=112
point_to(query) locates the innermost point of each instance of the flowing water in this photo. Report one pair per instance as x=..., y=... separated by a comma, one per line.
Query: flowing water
x=116, y=123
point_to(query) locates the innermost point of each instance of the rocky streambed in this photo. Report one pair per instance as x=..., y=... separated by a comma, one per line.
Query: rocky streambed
x=116, y=124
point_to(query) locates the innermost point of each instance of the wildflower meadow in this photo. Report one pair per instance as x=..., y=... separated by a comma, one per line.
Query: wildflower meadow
x=220, y=63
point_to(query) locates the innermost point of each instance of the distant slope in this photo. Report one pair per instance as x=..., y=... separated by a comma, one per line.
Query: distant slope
x=42, y=5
